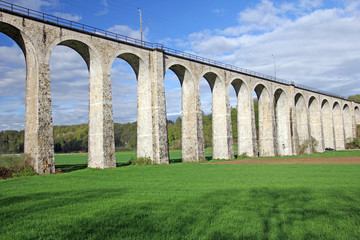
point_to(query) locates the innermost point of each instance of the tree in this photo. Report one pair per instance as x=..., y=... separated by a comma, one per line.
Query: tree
x=355, y=98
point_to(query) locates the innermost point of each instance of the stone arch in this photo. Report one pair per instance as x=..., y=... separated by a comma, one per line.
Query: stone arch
x=81, y=45
x=348, y=124
x=338, y=127
x=192, y=143
x=246, y=132
x=282, y=119
x=315, y=124
x=222, y=133
x=133, y=58
x=327, y=124
x=38, y=136
x=101, y=150
x=266, y=129
x=144, y=100
x=302, y=126
x=357, y=115
x=15, y=34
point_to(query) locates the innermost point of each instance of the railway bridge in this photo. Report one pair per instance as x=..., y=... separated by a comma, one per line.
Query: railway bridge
x=291, y=117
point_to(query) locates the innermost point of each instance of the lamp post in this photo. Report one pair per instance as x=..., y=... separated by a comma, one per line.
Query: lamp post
x=141, y=30
x=274, y=65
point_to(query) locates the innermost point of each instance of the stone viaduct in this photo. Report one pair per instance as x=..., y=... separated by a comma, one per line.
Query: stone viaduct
x=290, y=117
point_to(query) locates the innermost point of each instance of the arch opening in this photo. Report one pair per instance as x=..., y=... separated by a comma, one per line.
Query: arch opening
x=131, y=103
x=205, y=90
x=186, y=130
x=69, y=84
x=13, y=33
x=222, y=140
x=81, y=48
x=357, y=115
x=282, y=120
x=173, y=95
x=245, y=132
x=12, y=93
x=232, y=113
x=124, y=103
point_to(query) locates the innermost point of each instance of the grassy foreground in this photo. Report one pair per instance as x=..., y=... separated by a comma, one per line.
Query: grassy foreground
x=185, y=201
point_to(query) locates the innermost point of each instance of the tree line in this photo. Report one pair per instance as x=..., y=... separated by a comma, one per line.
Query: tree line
x=75, y=138
x=72, y=138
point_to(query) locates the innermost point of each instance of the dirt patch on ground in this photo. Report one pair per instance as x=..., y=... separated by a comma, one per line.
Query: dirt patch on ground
x=315, y=160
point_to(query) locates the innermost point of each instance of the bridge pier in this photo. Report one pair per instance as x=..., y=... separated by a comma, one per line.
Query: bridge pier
x=200, y=128
x=101, y=150
x=327, y=125
x=144, y=112
x=316, y=132
x=266, y=122
x=282, y=122
x=246, y=130
x=221, y=121
x=38, y=142
x=301, y=126
x=160, y=146
x=338, y=127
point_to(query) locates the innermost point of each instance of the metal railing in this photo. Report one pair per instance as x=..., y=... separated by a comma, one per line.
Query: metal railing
x=119, y=37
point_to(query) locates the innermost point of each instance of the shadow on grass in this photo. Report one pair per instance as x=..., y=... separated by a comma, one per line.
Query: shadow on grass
x=256, y=213
x=66, y=168
x=179, y=160
x=176, y=160
x=123, y=164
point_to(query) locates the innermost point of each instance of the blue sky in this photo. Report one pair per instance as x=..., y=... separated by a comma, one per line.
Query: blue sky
x=315, y=43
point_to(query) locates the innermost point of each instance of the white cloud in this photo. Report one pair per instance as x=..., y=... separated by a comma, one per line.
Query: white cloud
x=310, y=4
x=68, y=16
x=129, y=32
x=105, y=9
x=12, y=82
x=205, y=96
x=314, y=47
x=219, y=11
x=35, y=4
x=69, y=81
x=263, y=17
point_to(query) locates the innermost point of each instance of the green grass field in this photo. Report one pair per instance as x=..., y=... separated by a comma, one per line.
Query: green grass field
x=184, y=201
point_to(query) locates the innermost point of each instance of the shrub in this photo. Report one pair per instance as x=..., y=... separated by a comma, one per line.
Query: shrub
x=141, y=161
x=355, y=144
x=303, y=147
x=314, y=143
x=243, y=155
x=15, y=166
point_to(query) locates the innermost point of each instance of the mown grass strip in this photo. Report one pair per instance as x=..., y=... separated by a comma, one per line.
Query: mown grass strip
x=192, y=201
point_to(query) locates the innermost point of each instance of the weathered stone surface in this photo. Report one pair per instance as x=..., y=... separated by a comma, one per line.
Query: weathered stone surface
x=160, y=139
x=315, y=124
x=348, y=123
x=288, y=116
x=302, y=125
x=338, y=127
x=282, y=118
x=327, y=125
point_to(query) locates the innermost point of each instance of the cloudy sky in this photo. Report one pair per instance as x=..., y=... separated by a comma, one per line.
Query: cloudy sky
x=313, y=42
